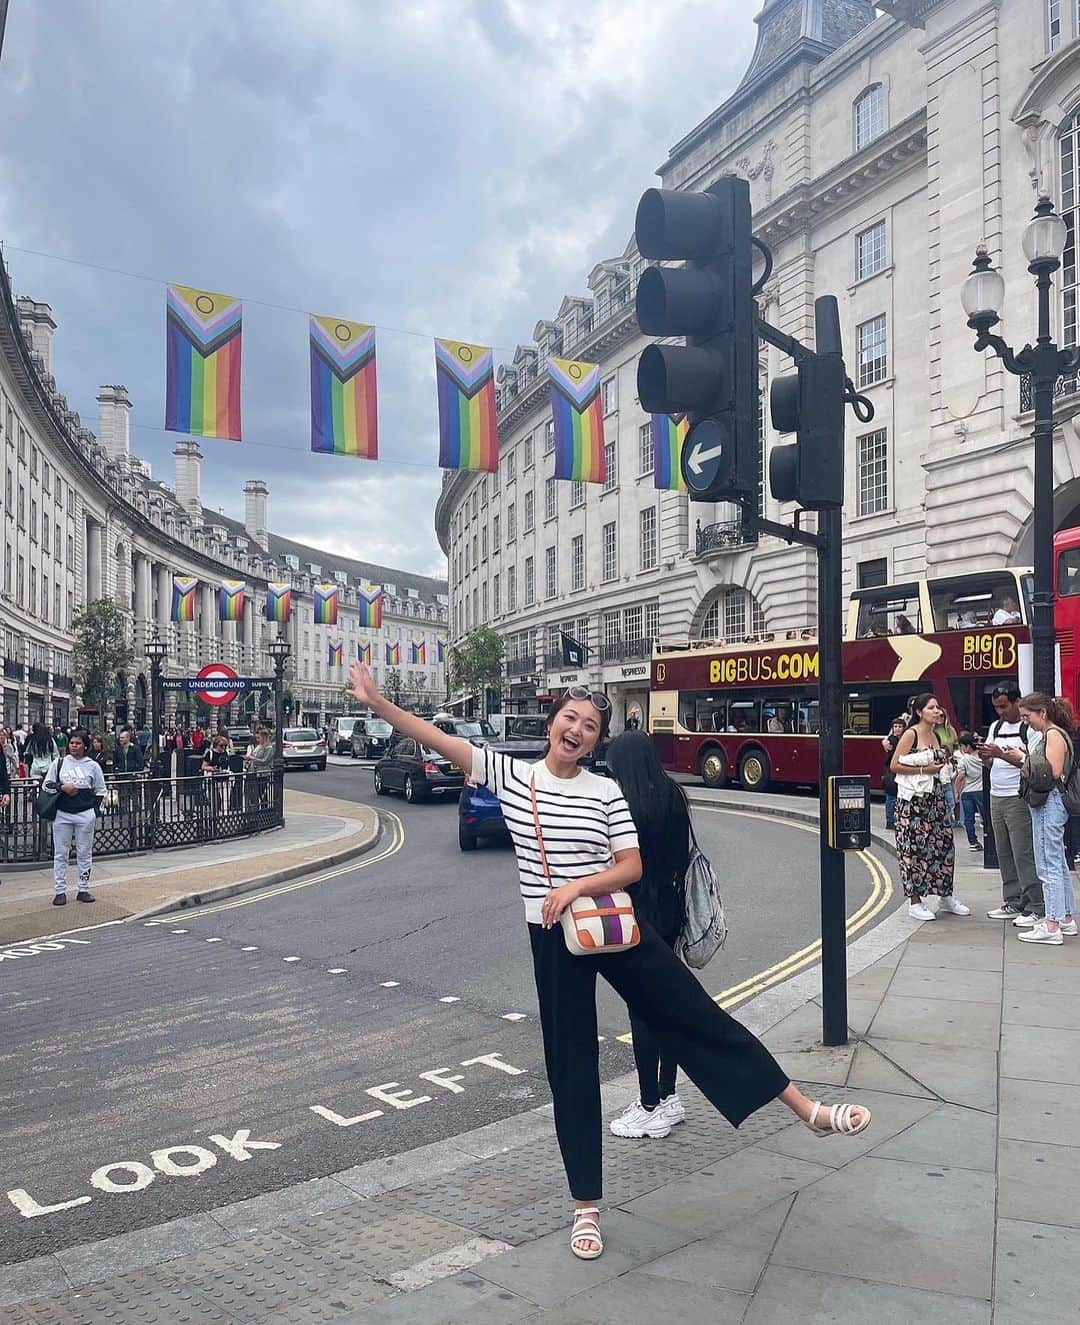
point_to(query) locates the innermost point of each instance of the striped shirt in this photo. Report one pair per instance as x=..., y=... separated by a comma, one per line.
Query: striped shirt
x=584, y=819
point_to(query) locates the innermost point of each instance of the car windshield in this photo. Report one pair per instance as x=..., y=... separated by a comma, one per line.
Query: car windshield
x=345, y=725
x=376, y=727
x=300, y=734
x=470, y=729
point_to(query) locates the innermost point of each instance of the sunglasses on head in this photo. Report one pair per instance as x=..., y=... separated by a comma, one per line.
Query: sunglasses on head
x=599, y=701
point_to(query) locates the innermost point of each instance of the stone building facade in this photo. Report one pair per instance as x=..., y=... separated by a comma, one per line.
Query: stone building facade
x=882, y=144
x=83, y=518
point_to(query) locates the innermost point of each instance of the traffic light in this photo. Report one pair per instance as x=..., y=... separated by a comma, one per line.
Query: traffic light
x=713, y=378
x=810, y=403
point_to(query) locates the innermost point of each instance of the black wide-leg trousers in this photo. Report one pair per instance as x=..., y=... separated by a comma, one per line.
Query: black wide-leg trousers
x=729, y=1065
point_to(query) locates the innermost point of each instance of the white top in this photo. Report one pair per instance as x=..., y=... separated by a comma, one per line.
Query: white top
x=1004, y=777
x=1003, y=617
x=917, y=784
x=584, y=819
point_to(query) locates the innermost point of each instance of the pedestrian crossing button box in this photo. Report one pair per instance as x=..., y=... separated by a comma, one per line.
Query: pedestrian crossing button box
x=849, y=813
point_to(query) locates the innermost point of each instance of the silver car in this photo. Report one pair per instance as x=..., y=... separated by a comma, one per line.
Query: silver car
x=303, y=745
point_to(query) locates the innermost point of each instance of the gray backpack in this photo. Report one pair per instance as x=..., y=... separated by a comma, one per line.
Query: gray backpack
x=704, y=928
x=1070, y=783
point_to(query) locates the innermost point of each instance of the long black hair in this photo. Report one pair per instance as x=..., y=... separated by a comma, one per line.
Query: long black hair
x=39, y=742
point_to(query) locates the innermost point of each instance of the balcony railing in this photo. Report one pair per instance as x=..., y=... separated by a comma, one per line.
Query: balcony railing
x=13, y=670
x=624, y=650
x=39, y=676
x=1064, y=386
x=520, y=666
x=721, y=537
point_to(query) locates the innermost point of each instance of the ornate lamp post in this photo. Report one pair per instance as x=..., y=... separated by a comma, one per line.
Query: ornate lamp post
x=982, y=296
x=155, y=650
x=279, y=650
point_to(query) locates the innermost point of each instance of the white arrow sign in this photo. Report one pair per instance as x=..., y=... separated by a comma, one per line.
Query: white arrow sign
x=700, y=455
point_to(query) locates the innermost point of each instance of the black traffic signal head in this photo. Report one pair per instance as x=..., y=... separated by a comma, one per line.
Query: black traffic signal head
x=810, y=403
x=710, y=301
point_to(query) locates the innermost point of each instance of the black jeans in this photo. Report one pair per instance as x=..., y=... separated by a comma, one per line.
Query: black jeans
x=729, y=1065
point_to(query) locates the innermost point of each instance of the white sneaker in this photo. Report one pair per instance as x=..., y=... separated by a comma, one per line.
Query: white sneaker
x=1069, y=928
x=1026, y=921
x=920, y=911
x=954, y=906
x=673, y=1108
x=637, y=1122
x=1040, y=934
x=1005, y=912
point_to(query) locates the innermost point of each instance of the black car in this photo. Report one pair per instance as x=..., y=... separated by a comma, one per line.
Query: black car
x=417, y=772
x=371, y=738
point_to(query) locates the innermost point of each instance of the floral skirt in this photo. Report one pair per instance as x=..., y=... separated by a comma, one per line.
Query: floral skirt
x=925, y=846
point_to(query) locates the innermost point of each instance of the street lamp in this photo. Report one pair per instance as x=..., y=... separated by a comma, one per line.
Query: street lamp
x=279, y=650
x=982, y=297
x=155, y=650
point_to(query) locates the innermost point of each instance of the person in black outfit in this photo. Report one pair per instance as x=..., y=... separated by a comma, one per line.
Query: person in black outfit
x=127, y=761
x=662, y=818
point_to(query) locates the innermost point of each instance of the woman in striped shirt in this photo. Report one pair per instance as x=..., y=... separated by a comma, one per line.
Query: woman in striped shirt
x=592, y=849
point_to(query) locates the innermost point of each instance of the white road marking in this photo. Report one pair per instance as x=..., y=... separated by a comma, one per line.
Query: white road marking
x=513, y=1016
x=177, y=931
x=446, y=1263
x=250, y=948
x=336, y=970
x=389, y=984
x=215, y=940
x=450, y=998
x=290, y=959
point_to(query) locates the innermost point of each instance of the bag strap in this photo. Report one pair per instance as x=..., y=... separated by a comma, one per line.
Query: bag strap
x=539, y=834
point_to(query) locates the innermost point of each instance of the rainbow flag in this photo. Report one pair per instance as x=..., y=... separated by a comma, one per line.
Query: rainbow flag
x=278, y=601
x=232, y=596
x=363, y=653
x=335, y=653
x=202, y=363
x=465, y=379
x=183, y=598
x=369, y=600
x=418, y=652
x=668, y=435
x=440, y=650
x=344, y=408
x=393, y=655
x=579, y=420
x=327, y=597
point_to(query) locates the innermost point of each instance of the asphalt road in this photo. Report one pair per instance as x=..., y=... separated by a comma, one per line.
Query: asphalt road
x=131, y=1063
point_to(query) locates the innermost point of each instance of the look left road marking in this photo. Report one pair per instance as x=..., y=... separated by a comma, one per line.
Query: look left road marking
x=36, y=948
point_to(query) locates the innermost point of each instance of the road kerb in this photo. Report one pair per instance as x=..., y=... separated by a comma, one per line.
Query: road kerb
x=188, y=901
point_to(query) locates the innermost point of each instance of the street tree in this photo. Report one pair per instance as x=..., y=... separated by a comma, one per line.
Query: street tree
x=102, y=649
x=477, y=663
x=394, y=686
x=418, y=687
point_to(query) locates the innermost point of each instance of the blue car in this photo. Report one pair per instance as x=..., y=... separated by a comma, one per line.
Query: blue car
x=479, y=812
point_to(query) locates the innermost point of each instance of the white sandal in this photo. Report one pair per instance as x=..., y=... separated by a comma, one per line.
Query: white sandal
x=586, y=1229
x=840, y=1119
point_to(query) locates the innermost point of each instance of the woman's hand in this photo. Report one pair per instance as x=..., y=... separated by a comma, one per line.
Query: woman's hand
x=361, y=684
x=556, y=902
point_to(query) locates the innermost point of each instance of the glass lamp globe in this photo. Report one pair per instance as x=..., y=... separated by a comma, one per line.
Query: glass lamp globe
x=1044, y=237
x=983, y=293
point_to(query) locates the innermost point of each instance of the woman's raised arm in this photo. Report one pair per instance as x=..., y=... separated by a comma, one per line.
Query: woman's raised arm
x=362, y=687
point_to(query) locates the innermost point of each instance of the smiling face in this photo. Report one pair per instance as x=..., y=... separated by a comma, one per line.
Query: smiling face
x=1037, y=719
x=574, y=730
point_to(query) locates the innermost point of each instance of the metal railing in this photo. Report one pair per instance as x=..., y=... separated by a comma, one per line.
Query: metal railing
x=141, y=813
x=521, y=666
x=720, y=537
x=1064, y=386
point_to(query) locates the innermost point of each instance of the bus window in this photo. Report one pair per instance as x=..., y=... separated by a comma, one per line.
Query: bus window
x=778, y=717
x=809, y=720
x=744, y=715
x=870, y=709
x=960, y=693
x=1068, y=585
x=891, y=610
x=964, y=602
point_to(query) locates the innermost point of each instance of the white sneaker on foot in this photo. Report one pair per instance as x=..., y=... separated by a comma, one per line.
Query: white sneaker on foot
x=1027, y=921
x=1005, y=912
x=1040, y=934
x=638, y=1121
x=1068, y=927
x=954, y=906
x=920, y=911
x=673, y=1108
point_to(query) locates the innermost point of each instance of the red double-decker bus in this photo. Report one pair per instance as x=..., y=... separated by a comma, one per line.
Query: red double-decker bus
x=749, y=712
x=1067, y=611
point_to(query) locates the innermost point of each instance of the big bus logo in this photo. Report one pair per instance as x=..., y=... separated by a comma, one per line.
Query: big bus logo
x=989, y=653
x=799, y=666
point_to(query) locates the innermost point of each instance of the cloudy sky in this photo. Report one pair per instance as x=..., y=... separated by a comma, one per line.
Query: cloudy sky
x=441, y=167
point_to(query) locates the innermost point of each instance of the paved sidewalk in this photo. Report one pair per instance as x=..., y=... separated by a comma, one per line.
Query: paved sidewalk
x=958, y=1205
x=319, y=831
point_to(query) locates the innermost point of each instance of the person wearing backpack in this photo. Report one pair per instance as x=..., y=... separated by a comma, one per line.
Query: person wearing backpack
x=1051, y=744
x=1004, y=750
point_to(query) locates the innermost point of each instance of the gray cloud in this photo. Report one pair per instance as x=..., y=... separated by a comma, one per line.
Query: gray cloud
x=439, y=165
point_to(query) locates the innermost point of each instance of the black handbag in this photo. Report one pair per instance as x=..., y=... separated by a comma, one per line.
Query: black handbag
x=46, y=803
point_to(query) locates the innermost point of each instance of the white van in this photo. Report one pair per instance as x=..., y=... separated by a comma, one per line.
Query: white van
x=341, y=730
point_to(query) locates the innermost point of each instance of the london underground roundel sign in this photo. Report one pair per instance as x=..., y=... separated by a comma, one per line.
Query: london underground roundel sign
x=217, y=691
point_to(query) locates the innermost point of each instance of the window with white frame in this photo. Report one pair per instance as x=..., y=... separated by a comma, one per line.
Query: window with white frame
x=495, y=533
x=511, y=589
x=495, y=482
x=577, y=562
x=609, y=395
x=550, y=499
x=577, y=494
x=757, y=616
x=551, y=578
x=1053, y=24
x=495, y=598
x=652, y=621
x=484, y=601
x=632, y=625
x=530, y=511
x=610, y=552
x=873, y=472
x=647, y=537
x=554, y=643
x=530, y=581
x=646, y=460
x=511, y=466
x=611, y=476
x=483, y=543
x=870, y=251
x=549, y=436
x=511, y=522
x=1069, y=161
x=872, y=359
x=735, y=615
x=710, y=622
x=612, y=637
x=527, y=455
x=869, y=116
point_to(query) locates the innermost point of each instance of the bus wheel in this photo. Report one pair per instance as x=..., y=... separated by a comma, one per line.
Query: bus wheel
x=714, y=769
x=754, y=771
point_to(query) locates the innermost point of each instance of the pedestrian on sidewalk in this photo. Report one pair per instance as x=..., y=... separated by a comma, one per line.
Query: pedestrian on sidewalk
x=888, y=777
x=585, y=821
x=662, y=818
x=1053, y=728
x=39, y=751
x=925, y=845
x=10, y=754
x=969, y=780
x=81, y=785
x=1005, y=751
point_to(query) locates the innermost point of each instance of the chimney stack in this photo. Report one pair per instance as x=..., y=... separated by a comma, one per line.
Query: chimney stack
x=38, y=326
x=114, y=411
x=188, y=466
x=257, y=512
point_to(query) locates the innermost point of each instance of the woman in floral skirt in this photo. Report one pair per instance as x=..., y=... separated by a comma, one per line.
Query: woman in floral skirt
x=925, y=845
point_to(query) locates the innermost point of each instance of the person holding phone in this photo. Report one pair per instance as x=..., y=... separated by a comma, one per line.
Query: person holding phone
x=925, y=844
x=1005, y=750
